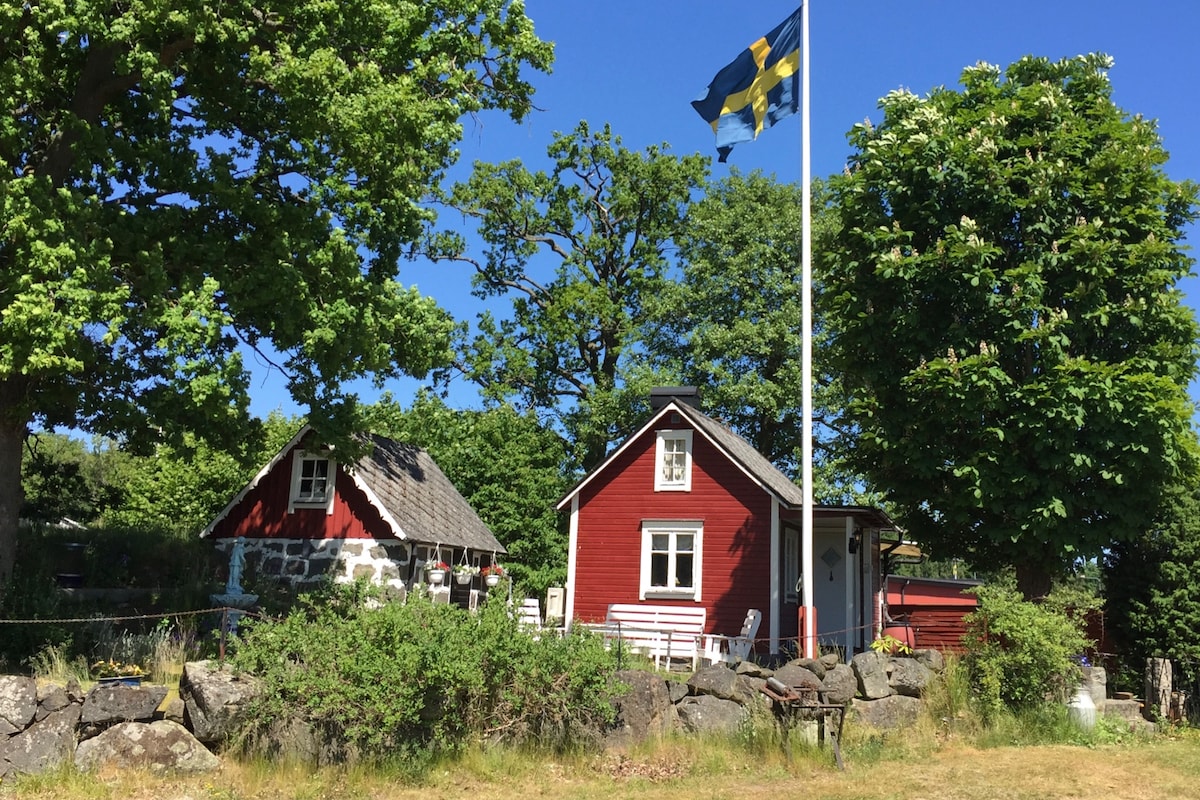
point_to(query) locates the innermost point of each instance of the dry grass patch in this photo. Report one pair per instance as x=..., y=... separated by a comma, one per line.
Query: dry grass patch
x=1162, y=770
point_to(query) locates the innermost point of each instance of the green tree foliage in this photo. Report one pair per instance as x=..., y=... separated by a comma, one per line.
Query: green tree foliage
x=1006, y=316
x=1021, y=654
x=183, y=488
x=508, y=466
x=731, y=324
x=1153, y=597
x=579, y=250
x=419, y=679
x=65, y=477
x=181, y=179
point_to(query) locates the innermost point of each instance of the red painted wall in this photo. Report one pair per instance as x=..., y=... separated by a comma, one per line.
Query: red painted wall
x=735, y=568
x=263, y=512
x=934, y=609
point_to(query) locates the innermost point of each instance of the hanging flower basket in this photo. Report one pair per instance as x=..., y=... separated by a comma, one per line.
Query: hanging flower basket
x=492, y=574
x=464, y=573
x=435, y=573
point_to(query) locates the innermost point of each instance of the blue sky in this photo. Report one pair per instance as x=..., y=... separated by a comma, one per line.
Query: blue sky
x=637, y=66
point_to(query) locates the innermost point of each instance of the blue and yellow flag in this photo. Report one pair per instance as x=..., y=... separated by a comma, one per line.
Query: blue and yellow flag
x=757, y=89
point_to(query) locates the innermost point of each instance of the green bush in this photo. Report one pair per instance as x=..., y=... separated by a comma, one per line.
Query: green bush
x=418, y=679
x=1020, y=654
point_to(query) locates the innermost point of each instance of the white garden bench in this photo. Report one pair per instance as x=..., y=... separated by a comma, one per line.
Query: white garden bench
x=662, y=633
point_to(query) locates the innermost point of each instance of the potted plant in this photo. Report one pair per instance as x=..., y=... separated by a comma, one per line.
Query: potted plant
x=463, y=573
x=435, y=572
x=492, y=574
x=890, y=645
x=116, y=673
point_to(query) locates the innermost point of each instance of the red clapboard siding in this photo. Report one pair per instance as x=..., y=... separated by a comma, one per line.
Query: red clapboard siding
x=735, y=512
x=263, y=512
x=938, y=629
x=934, y=607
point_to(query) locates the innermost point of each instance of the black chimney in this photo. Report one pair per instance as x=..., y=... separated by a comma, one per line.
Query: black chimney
x=661, y=395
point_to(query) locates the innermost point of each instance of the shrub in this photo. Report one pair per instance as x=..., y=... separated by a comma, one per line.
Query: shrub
x=1021, y=654
x=419, y=679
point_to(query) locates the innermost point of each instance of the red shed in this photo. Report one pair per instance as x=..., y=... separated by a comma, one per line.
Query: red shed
x=686, y=512
x=933, y=607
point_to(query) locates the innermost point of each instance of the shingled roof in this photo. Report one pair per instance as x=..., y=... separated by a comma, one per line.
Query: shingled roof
x=416, y=499
x=742, y=453
x=420, y=499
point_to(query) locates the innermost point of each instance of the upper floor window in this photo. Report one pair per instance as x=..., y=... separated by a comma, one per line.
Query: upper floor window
x=673, y=461
x=312, y=481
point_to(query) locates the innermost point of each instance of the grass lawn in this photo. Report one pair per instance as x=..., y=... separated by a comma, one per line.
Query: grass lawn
x=1163, y=768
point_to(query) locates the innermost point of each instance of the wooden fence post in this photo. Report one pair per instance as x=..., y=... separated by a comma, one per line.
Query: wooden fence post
x=1157, y=707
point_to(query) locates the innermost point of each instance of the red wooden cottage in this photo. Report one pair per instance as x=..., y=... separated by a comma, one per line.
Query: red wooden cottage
x=306, y=515
x=687, y=513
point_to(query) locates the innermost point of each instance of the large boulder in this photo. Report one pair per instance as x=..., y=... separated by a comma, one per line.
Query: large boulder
x=105, y=704
x=50, y=698
x=44, y=745
x=909, y=677
x=931, y=658
x=871, y=671
x=644, y=712
x=886, y=713
x=814, y=665
x=215, y=699
x=720, y=681
x=794, y=675
x=839, y=685
x=707, y=714
x=18, y=703
x=160, y=746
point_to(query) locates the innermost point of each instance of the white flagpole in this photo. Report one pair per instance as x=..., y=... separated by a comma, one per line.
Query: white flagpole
x=809, y=634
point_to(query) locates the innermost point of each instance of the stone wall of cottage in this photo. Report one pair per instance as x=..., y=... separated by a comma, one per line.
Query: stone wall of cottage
x=304, y=563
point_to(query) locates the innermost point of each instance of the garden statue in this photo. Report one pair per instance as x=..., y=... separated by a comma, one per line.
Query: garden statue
x=237, y=563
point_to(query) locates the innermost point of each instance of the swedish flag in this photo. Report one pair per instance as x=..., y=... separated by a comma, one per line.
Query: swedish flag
x=757, y=89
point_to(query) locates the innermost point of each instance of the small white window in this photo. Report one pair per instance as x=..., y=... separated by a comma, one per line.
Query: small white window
x=312, y=482
x=673, y=461
x=671, y=559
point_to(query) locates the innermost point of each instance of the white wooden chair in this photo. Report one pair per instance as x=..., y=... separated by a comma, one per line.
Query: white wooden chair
x=732, y=649
x=529, y=615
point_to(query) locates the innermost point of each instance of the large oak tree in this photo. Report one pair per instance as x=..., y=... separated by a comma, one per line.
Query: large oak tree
x=181, y=180
x=1006, y=314
x=578, y=251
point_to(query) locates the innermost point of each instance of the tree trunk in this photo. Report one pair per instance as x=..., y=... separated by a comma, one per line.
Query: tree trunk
x=12, y=495
x=1034, y=579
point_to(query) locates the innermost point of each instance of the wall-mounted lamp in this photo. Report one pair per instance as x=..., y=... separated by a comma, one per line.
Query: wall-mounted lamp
x=855, y=540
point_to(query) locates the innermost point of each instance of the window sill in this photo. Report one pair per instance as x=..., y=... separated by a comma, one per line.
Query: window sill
x=670, y=594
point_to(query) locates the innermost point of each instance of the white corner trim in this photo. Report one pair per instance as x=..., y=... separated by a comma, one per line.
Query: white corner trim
x=253, y=484
x=374, y=500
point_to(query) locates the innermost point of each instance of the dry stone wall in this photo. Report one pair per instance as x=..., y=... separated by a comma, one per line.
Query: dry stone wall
x=43, y=726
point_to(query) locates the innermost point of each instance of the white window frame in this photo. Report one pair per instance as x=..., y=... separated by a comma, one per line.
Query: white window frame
x=294, y=499
x=791, y=565
x=673, y=528
x=661, y=482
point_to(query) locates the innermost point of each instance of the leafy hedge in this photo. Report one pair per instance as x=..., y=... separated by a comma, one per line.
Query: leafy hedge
x=417, y=679
x=1021, y=654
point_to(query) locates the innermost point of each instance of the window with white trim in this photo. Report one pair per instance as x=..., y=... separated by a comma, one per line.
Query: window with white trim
x=791, y=565
x=312, y=481
x=671, y=559
x=673, y=461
